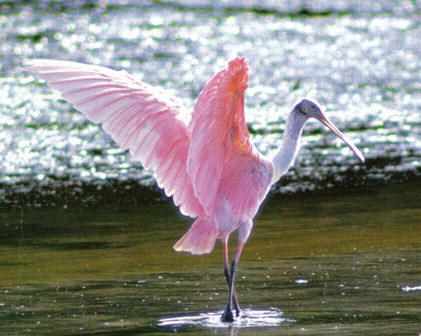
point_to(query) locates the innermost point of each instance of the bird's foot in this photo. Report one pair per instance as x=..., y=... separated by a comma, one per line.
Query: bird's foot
x=227, y=315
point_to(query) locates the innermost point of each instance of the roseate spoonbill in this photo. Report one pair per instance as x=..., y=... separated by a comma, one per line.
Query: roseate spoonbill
x=210, y=167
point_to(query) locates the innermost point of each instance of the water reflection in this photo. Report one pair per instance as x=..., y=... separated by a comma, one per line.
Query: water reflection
x=351, y=266
x=411, y=288
x=324, y=263
x=249, y=318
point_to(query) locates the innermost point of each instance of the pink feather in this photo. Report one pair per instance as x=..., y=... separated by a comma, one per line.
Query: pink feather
x=211, y=158
x=135, y=114
x=219, y=132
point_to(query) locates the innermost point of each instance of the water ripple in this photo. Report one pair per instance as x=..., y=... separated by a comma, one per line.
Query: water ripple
x=249, y=318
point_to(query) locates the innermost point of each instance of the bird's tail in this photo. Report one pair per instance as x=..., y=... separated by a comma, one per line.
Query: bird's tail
x=200, y=238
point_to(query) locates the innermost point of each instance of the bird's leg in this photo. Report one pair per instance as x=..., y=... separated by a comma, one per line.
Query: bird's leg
x=227, y=276
x=227, y=315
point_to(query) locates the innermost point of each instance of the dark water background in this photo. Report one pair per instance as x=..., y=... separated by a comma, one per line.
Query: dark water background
x=85, y=238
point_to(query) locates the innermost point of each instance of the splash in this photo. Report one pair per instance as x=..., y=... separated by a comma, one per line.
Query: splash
x=249, y=318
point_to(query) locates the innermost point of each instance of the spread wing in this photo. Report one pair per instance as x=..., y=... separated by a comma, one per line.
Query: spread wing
x=221, y=157
x=139, y=117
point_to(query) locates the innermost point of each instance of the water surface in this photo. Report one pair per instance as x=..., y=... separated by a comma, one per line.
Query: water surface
x=85, y=237
x=361, y=60
x=316, y=264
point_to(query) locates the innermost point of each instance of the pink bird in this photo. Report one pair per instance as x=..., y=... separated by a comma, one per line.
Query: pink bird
x=209, y=167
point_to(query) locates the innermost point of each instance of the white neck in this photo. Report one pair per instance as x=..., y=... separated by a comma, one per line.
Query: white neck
x=285, y=156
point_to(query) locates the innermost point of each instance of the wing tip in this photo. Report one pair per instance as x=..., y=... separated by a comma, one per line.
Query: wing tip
x=238, y=64
x=38, y=65
x=238, y=73
x=44, y=64
x=30, y=64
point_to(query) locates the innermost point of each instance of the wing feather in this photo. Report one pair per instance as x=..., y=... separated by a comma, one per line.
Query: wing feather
x=120, y=119
x=139, y=117
x=222, y=161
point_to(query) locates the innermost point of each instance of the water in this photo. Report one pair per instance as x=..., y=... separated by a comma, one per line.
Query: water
x=316, y=264
x=85, y=238
x=249, y=318
x=359, y=59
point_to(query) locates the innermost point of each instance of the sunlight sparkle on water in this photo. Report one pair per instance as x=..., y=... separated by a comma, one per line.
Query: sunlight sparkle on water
x=301, y=281
x=411, y=288
x=271, y=317
x=362, y=68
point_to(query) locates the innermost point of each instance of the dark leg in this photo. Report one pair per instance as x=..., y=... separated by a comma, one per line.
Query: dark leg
x=228, y=277
x=227, y=315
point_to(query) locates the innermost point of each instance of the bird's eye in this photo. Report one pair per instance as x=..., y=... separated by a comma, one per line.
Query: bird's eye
x=313, y=107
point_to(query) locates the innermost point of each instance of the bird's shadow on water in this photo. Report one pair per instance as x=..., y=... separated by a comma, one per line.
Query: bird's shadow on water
x=211, y=319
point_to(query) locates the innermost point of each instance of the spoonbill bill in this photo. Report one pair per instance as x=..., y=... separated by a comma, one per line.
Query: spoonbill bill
x=210, y=167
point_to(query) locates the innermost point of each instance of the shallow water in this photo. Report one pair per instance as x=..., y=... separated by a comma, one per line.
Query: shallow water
x=361, y=60
x=316, y=264
x=84, y=249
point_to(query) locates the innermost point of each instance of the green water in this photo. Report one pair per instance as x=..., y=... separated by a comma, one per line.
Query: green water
x=345, y=263
x=84, y=250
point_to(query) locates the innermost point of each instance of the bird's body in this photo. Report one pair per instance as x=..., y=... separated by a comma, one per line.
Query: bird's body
x=210, y=167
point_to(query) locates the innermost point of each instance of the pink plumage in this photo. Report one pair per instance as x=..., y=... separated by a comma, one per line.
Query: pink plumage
x=211, y=158
x=209, y=167
x=223, y=164
x=139, y=118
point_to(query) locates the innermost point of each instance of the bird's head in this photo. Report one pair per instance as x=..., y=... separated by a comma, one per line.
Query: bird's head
x=311, y=109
